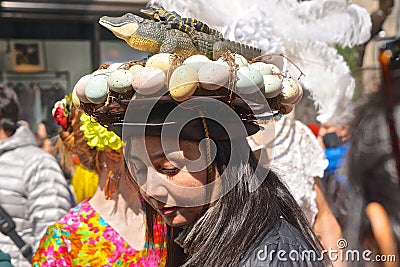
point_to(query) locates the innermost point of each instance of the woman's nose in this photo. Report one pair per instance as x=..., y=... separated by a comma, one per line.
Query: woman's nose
x=155, y=185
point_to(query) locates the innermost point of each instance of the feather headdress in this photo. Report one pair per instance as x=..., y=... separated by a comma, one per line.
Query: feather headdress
x=303, y=30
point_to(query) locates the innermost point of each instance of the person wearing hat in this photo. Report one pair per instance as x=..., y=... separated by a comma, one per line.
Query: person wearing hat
x=186, y=149
x=183, y=116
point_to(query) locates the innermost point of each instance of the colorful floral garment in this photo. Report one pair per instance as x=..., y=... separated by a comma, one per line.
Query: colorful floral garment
x=83, y=238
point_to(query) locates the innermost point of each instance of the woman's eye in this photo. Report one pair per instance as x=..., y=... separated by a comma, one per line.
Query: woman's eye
x=170, y=171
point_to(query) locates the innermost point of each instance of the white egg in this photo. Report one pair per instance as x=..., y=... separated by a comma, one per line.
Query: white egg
x=135, y=68
x=262, y=67
x=183, y=83
x=120, y=81
x=249, y=80
x=213, y=75
x=241, y=61
x=225, y=63
x=298, y=99
x=161, y=60
x=114, y=66
x=222, y=62
x=290, y=90
x=272, y=86
x=196, y=61
x=100, y=72
x=274, y=68
x=148, y=80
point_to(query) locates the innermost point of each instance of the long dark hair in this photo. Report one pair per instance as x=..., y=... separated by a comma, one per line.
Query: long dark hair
x=371, y=164
x=9, y=109
x=231, y=226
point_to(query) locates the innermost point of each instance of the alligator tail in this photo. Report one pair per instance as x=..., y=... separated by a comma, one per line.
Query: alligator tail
x=249, y=52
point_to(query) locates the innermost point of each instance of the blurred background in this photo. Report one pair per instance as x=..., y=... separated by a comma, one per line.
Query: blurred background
x=45, y=46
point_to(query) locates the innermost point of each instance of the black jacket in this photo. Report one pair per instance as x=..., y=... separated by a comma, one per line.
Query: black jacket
x=283, y=246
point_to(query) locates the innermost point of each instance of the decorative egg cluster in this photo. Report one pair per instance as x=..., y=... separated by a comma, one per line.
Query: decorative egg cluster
x=161, y=74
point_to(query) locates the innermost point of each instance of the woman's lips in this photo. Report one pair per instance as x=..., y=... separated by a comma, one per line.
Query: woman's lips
x=167, y=210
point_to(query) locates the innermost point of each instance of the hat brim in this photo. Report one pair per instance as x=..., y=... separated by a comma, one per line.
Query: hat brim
x=189, y=120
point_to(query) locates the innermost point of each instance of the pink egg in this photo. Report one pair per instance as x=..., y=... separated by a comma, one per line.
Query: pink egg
x=213, y=75
x=80, y=88
x=148, y=80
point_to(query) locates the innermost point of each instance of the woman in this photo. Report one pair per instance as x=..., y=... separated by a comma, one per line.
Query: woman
x=109, y=228
x=202, y=176
x=233, y=229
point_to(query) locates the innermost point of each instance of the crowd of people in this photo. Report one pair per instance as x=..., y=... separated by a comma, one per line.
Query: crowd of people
x=125, y=183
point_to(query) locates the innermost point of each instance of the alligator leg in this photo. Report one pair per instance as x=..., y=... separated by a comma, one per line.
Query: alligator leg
x=201, y=27
x=179, y=25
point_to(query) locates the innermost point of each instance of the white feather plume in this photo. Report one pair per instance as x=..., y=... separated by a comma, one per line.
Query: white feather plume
x=330, y=21
x=303, y=31
x=327, y=77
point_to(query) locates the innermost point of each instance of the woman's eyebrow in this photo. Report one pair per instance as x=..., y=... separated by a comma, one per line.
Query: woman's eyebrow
x=173, y=155
x=135, y=158
x=157, y=155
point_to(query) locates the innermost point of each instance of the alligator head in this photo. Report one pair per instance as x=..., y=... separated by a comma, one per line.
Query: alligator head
x=124, y=26
x=151, y=12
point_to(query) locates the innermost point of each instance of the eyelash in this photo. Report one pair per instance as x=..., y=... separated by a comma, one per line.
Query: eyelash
x=167, y=171
x=170, y=171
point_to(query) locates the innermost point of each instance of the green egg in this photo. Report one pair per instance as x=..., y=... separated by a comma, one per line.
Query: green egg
x=96, y=89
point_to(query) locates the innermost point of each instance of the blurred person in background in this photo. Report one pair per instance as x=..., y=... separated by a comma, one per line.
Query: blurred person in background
x=32, y=188
x=334, y=139
x=44, y=137
x=374, y=163
x=109, y=227
x=5, y=260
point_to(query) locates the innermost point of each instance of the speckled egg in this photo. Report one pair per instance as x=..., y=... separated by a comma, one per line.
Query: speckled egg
x=135, y=68
x=213, y=75
x=96, y=89
x=184, y=81
x=241, y=61
x=272, y=86
x=114, y=66
x=274, y=68
x=196, y=61
x=262, y=67
x=100, y=71
x=160, y=60
x=80, y=88
x=222, y=62
x=249, y=80
x=286, y=108
x=148, y=80
x=290, y=90
x=120, y=81
x=298, y=99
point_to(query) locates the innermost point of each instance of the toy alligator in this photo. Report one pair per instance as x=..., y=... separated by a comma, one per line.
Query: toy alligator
x=188, y=25
x=155, y=36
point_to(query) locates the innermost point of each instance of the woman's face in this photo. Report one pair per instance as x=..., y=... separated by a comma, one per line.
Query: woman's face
x=171, y=179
